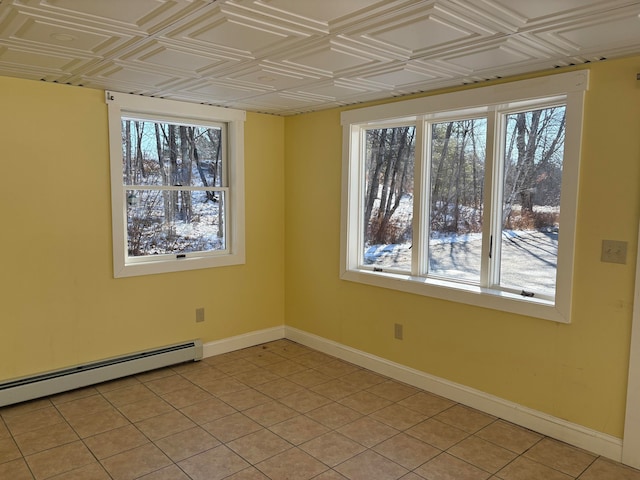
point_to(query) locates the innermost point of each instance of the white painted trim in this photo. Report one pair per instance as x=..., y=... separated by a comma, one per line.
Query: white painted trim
x=492, y=102
x=245, y=340
x=588, y=439
x=631, y=441
x=163, y=110
x=572, y=433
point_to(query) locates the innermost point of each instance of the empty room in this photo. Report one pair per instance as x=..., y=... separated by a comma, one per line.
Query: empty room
x=304, y=239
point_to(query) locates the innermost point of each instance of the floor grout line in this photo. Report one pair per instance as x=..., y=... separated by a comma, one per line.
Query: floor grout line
x=177, y=401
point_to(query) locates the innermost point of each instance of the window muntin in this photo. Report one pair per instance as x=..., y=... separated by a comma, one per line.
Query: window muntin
x=177, y=185
x=501, y=283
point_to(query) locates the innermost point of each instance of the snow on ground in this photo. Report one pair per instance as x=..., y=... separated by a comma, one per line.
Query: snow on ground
x=529, y=258
x=201, y=234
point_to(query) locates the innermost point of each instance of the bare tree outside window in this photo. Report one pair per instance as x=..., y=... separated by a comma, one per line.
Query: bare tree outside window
x=458, y=195
x=174, y=184
x=388, y=202
x=456, y=203
x=534, y=152
x=532, y=173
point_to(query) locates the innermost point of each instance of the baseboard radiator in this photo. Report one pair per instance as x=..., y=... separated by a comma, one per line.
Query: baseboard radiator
x=58, y=381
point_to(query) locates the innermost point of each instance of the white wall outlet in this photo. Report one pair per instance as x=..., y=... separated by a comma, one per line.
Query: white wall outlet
x=199, y=315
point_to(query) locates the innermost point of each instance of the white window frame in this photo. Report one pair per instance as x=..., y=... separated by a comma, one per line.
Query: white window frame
x=154, y=109
x=567, y=88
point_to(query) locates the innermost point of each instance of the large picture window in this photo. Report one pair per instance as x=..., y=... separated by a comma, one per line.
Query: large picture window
x=177, y=191
x=458, y=197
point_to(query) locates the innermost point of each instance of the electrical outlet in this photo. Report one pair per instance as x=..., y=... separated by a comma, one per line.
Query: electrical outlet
x=199, y=315
x=397, y=331
x=614, y=251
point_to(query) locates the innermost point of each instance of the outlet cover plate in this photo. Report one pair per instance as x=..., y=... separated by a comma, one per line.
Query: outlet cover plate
x=397, y=331
x=614, y=251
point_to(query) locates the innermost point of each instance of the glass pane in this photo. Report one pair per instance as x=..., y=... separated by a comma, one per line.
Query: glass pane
x=534, y=150
x=457, y=181
x=166, y=222
x=168, y=154
x=388, y=197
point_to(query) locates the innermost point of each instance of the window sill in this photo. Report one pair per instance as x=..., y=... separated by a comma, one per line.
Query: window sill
x=165, y=264
x=460, y=293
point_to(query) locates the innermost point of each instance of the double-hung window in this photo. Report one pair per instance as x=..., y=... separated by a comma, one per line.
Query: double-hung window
x=177, y=185
x=468, y=196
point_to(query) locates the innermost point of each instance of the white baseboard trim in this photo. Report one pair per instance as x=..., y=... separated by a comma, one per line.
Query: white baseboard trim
x=239, y=342
x=574, y=434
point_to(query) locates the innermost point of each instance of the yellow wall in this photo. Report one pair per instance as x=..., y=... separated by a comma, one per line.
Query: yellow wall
x=60, y=304
x=576, y=372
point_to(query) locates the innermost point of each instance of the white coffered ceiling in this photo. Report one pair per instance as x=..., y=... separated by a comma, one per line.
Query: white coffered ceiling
x=293, y=56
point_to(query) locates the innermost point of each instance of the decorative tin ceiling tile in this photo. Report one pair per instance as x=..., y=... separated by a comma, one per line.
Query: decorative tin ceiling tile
x=292, y=56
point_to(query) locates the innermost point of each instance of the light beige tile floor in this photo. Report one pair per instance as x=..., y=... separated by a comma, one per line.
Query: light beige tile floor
x=276, y=411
